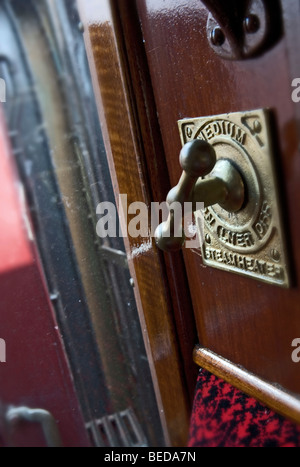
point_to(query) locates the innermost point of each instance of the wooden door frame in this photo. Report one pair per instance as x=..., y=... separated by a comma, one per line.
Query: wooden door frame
x=137, y=165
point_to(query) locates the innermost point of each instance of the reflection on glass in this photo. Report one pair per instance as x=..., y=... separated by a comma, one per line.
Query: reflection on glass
x=57, y=142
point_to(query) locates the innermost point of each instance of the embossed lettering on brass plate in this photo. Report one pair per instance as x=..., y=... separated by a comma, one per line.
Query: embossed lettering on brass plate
x=250, y=241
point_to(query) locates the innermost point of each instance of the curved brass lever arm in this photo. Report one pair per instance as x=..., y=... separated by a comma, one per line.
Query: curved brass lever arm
x=224, y=186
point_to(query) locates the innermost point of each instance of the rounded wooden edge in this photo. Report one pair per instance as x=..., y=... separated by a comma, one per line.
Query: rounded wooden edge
x=274, y=397
x=115, y=98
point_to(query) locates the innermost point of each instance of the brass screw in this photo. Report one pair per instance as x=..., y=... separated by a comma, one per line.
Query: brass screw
x=207, y=239
x=257, y=126
x=275, y=255
x=251, y=24
x=189, y=132
x=217, y=37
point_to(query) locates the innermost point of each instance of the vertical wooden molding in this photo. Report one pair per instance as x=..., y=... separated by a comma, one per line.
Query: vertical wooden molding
x=122, y=141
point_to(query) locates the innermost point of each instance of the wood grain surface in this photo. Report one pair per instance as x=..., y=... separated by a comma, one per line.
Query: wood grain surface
x=250, y=323
x=118, y=111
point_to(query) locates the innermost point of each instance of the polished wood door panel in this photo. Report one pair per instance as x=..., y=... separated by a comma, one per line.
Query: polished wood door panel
x=248, y=322
x=121, y=100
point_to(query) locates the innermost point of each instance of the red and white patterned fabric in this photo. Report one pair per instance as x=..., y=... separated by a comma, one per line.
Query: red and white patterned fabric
x=225, y=417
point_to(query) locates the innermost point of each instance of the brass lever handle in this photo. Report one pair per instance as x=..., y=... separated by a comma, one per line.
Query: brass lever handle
x=224, y=186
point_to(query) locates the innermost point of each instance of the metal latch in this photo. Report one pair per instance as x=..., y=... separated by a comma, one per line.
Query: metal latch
x=228, y=164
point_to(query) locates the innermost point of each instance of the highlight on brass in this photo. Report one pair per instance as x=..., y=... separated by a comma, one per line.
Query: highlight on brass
x=250, y=239
x=224, y=186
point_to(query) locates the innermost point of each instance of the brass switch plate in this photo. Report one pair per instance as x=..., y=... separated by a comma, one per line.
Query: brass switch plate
x=250, y=242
